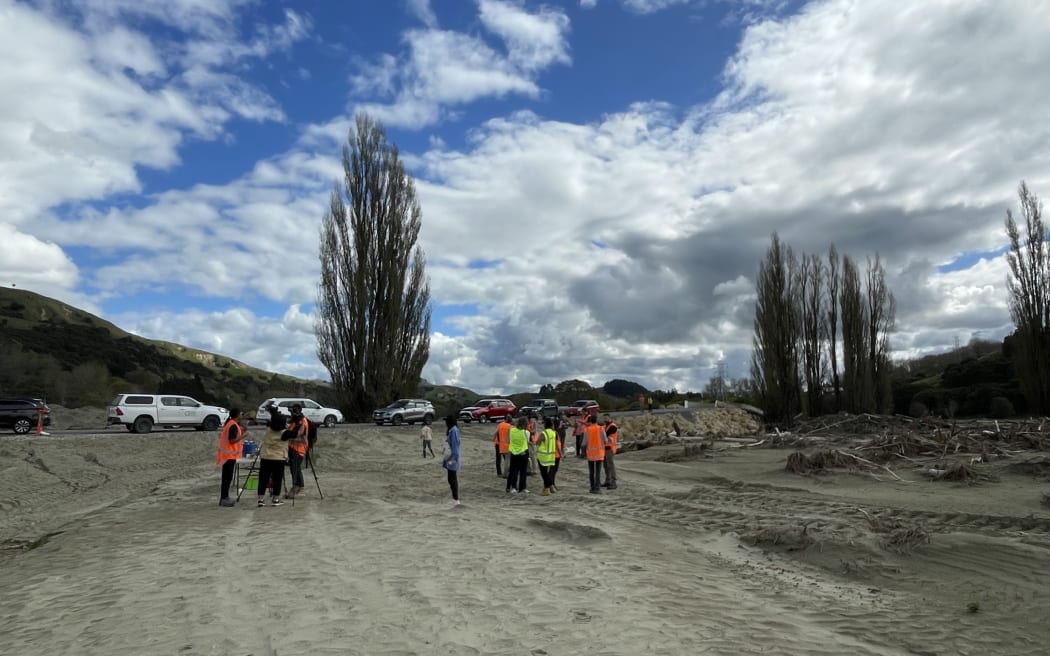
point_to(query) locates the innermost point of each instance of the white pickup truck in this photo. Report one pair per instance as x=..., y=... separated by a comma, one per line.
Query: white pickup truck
x=141, y=412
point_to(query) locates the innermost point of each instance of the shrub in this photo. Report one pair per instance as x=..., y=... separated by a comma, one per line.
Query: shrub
x=1001, y=408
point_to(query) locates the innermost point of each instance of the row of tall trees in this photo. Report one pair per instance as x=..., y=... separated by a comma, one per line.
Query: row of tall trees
x=807, y=309
x=1029, y=300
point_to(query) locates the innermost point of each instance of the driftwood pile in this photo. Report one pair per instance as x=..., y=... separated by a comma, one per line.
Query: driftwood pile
x=945, y=450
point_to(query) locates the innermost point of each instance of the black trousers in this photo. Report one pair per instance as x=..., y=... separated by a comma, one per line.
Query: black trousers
x=271, y=472
x=519, y=469
x=295, y=465
x=227, y=477
x=499, y=462
x=595, y=471
x=453, y=484
x=547, y=474
x=579, y=446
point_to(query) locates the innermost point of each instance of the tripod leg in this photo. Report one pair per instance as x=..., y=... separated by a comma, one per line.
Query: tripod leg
x=240, y=490
x=314, y=470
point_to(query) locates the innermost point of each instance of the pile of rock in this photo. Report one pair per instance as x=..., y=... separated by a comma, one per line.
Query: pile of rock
x=719, y=422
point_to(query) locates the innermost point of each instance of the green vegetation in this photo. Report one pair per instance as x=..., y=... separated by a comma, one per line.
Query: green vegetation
x=75, y=359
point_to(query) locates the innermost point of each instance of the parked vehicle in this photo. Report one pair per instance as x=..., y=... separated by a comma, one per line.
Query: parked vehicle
x=541, y=408
x=585, y=408
x=488, y=410
x=22, y=413
x=312, y=410
x=139, y=413
x=407, y=411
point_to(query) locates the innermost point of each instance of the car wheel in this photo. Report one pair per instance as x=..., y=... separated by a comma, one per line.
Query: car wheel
x=429, y=418
x=211, y=422
x=329, y=421
x=484, y=419
x=397, y=420
x=143, y=425
x=379, y=423
x=130, y=427
x=23, y=426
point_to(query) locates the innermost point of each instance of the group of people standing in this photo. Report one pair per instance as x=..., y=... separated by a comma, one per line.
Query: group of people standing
x=522, y=447
x=286, y=441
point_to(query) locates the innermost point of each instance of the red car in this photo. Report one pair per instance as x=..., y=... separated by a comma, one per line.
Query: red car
x=488, y=410
x=585, y=408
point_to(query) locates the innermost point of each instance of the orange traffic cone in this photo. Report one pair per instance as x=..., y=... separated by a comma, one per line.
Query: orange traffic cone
x=40, y=422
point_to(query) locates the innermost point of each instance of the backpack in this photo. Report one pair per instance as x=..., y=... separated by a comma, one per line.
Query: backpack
x=311, y=433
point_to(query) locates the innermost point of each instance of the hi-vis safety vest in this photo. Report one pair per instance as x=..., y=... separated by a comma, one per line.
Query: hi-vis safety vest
x=614, y=436
x=547, y=452
x=503, y=437
x=519, y=441
x=299, y=443
x=230, y=445
x=595, y=442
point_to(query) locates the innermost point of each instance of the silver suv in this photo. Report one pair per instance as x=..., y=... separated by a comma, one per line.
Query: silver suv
x=404, y=411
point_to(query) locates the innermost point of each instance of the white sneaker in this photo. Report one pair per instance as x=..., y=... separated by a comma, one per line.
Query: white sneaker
x=455, y=502
x=512, y=491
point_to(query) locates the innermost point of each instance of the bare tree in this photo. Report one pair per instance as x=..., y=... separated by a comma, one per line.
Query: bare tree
x=834, y=281
x=373, y=302
x=1029, y=288
x=813, y=330
x=882, y=312
x=774, y=359
x=856, y=381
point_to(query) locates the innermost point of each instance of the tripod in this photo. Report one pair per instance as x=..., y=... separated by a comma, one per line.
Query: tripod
x=313, y=470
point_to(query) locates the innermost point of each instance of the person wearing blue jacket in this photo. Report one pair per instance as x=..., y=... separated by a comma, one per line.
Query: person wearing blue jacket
x=451, y=462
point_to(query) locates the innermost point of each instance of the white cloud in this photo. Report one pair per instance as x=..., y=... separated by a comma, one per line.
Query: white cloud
x=444, y=68
x=588, y=4
x=422, y=10
x=623, y=247
x=534, y=40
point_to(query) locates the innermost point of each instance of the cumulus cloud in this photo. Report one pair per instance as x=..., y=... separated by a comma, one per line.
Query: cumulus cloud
x=444, y=68
x=624, y=247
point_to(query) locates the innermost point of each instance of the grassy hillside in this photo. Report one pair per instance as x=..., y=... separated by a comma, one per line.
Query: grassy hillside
x=75, y=358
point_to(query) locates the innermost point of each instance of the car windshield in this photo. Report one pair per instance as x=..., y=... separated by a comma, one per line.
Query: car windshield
x=484, y=404
x=580, y=404
x=398, y=404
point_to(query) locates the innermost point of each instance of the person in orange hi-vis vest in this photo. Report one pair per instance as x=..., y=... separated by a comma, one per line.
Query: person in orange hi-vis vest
x=612, y=432
x=231, y=446
x=298, y=443
x=502, y=442
x=596, y=440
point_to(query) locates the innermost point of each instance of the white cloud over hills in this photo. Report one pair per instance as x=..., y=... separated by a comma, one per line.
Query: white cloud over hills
x=621, y=247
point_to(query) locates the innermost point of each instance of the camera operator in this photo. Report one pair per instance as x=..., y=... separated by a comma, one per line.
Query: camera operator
x=296, y=436
x=272, y=455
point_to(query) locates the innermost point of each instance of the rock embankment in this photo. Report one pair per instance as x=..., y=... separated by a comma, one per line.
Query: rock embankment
x=719, y=422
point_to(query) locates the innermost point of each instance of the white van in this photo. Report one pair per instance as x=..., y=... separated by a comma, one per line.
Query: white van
x=312, y=410
x=141, y=412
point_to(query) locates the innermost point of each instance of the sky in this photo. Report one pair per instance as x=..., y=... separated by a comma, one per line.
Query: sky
x=599, y=179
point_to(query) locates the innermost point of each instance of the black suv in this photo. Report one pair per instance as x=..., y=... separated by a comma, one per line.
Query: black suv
x=21, y=413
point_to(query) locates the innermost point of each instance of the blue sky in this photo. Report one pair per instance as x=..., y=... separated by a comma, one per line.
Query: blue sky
x=599, y=179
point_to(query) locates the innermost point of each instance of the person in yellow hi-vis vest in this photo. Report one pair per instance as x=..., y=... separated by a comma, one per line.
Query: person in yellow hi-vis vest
x=547, y=455
x=519, y=458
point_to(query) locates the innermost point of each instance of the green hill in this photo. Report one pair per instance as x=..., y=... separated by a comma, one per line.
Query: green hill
x=74, y=358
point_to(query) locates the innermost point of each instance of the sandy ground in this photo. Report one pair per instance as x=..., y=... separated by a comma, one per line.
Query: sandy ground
x=114, y=544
